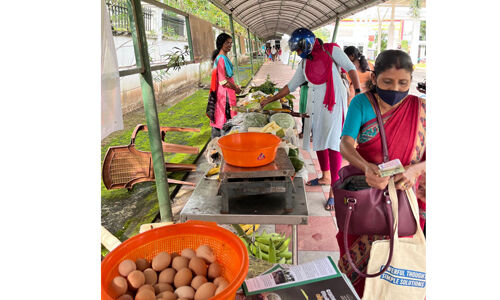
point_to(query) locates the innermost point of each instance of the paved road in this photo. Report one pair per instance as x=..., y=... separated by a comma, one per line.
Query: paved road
x=418, y=76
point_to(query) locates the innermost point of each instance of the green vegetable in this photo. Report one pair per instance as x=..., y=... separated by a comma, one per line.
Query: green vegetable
x=267, y=87
x=273, y=105
x=293, y=152
x=254, y=119
x=280, y=133
x=283, y=120
x=296, y=162
x=253, y=105
x=272, y=252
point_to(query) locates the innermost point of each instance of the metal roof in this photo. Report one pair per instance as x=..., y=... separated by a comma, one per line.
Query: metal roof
x=270, y=19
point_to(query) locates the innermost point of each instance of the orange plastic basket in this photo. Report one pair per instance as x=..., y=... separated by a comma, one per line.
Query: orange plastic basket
x=230, y=251
x=249, y=149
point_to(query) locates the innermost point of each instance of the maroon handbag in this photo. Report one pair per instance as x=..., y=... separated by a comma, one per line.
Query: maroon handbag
x=361, y=209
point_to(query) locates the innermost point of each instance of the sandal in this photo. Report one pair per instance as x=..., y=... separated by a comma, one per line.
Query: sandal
x=314, y=182
x=329, y=206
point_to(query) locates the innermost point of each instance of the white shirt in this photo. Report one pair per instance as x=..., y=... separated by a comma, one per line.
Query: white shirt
x=326, y=125
x=273, y=51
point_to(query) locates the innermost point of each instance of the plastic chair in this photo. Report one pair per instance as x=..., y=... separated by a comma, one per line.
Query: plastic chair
x=125, y=166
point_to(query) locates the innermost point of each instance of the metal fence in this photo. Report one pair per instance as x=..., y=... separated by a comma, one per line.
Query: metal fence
x=118, y=13
x=172, y=25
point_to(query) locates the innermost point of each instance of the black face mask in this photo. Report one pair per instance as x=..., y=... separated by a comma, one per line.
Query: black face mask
x=391, y=97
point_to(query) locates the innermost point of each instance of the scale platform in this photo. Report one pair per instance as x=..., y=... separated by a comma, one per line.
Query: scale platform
x=273, y=178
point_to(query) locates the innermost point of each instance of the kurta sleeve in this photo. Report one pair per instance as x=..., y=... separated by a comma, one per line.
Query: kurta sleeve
x=298, y=78
x=342, y=59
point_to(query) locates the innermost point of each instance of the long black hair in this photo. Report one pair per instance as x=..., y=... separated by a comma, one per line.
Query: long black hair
x=221, y=39
x=363, y=64
x=391, y=59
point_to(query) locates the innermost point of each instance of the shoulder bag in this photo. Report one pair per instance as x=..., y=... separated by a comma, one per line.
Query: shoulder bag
x=361, y=209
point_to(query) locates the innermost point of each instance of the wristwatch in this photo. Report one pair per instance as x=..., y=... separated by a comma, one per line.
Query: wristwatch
x=357, y=91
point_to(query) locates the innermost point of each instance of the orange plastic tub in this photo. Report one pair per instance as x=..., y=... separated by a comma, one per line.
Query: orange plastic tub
x=230, y=251
x=249, y=149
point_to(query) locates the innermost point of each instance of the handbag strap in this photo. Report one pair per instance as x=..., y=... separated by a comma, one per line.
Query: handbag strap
x=334, y=62
x=380, y=122
x=351, y=203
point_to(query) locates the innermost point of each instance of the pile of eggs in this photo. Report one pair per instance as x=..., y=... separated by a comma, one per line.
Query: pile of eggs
x=190, y=275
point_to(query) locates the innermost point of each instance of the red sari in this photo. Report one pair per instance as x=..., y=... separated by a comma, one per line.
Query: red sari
x=405, y=132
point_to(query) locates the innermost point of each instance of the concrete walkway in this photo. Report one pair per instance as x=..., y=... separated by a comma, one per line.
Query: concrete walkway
x=317, y=239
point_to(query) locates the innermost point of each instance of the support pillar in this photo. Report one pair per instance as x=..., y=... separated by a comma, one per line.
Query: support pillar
x=251, y=49
x=142, y=60
x=334, y=35
x=190, y=39
x=234, y=49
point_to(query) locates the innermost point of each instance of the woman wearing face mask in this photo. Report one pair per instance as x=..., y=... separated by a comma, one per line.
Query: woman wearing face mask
x=404, y=124
x=223, y=83
x=326, y=100
x=363, y=67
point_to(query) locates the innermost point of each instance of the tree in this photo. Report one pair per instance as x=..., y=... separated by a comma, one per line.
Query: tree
x=324, y=34
x=423, y=31
x=205, y=10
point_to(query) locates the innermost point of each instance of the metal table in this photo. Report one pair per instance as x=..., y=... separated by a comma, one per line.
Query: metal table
x=205, y=205
x=272, y=178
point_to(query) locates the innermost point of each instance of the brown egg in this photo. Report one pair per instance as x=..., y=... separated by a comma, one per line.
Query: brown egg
x=205, y=291
x=188, y=252
x=135, y=279
x=118, y=286
x=198, y=281
x=185, y=292
x=219, y=280
x=205, y=252
x=125, y=297
x=167, y=295
x=183, y=298
x=151, y=276
x=174, y=254
x=167, y=275
x=161, y=261
x=162, y=287
x=142, y=264
x=180, y=262
x=146, y=287
x=183, y=277
x=198, y=266
x=126, y=266
x=221, y=286
x=145, y=295
x=214, y=270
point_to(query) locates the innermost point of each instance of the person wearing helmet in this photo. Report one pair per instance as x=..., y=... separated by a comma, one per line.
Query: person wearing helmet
x=327, y=100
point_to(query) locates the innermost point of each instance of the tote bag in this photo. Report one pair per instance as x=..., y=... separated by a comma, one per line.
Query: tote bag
x=405, y=278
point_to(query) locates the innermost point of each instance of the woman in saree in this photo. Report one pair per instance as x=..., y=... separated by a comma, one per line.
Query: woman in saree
x=404, y=123
x=223, y=83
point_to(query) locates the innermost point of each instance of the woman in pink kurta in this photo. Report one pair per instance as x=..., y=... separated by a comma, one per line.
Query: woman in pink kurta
x=223, y=83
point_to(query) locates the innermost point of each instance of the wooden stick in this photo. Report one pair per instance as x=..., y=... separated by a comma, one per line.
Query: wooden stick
x=243, y=109
x=108, y=240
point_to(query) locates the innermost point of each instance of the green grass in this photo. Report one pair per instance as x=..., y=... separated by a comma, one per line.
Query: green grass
x=189, y=112
x=244, y=75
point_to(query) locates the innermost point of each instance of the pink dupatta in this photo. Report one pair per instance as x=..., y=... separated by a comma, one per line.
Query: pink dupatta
x=319, y=71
